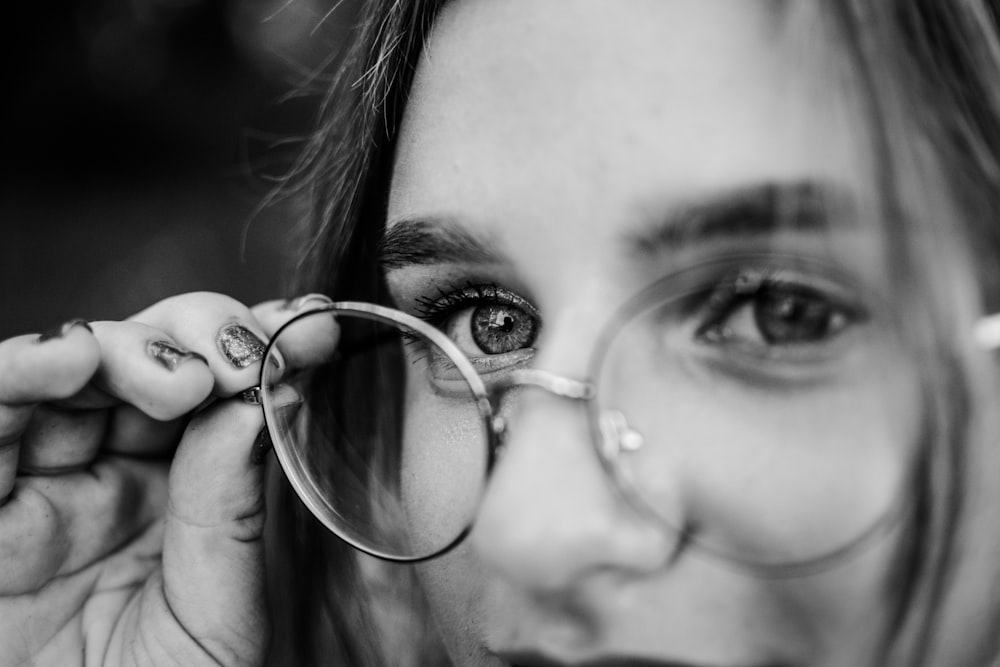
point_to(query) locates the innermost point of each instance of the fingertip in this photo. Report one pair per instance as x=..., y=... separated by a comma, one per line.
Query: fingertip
x=54, y=368
x=147, y=368
x=219, y=327
x=80, y=362
x=272, y=315
x=240, y=349
x=239, y=345
x=310, y=339
x=61, y=330
x=184, y=388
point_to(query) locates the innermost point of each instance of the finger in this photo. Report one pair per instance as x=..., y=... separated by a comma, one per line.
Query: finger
x=144, y=367
x=134, y=433
x=309, y=340
x=213, y=566
x=53, y=526
x=58, y=442
x=33, y=370
x=13, y=422
x=139, y=366
x=273, y=314
x=218, y=327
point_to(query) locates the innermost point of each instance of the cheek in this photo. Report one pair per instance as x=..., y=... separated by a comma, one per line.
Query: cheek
x=458, y=594
x=841, y=615
x=443, y=471
x=859, y=439
x=769, y=468
x=443, y=476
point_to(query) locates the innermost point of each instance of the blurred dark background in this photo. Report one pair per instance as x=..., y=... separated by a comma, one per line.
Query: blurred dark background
x=140, y=138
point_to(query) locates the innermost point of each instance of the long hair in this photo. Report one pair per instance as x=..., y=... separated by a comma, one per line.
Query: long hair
x=930, y=75
x=321, y=591
x=927, y=76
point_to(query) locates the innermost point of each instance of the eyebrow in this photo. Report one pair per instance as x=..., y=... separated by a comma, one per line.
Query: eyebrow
x=421, y=241
x=757, y=210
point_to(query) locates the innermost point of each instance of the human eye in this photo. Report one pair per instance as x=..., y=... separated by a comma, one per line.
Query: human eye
x=494, y=327
x=777, y=313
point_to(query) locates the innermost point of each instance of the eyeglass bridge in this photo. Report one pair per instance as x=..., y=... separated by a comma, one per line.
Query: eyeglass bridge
x=577, y=390
x=617, y=436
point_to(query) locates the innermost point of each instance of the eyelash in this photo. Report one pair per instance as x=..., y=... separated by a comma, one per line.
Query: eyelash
x=711, y=307
x=728, y=295
x=436, y=310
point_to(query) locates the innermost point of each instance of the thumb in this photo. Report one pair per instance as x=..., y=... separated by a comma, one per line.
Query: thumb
x=213, y=555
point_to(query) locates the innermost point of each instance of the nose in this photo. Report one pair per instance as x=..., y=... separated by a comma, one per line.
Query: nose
x=551, y=515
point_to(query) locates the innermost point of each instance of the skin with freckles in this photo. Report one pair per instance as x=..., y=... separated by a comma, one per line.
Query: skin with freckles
x=552, y=136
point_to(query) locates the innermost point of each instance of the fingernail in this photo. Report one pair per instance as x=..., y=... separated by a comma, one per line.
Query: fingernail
x=316, y=299
x=63, y=329
x=240, y=346
x=261, y=446
x=170, y=356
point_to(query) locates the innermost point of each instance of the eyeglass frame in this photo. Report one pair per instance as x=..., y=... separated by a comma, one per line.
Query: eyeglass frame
x=986, y=334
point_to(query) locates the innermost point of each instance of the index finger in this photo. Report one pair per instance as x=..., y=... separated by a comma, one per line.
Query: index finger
x=35, y=370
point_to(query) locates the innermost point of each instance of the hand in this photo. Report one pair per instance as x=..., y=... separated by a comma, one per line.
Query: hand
x=111, y=554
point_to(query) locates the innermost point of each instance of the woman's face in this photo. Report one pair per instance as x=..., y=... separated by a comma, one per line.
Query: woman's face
x=555, y=159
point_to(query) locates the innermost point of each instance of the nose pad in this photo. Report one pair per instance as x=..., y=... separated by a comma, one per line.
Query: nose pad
x=551, y=515
x=617, y=436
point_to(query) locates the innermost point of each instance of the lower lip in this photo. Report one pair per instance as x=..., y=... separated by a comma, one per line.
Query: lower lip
x=628, y=662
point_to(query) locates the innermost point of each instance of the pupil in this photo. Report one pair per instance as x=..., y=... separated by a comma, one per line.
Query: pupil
x=793, y=318
x=503, y=322
x=500, y=329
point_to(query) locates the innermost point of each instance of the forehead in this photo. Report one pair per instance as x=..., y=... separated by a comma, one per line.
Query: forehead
x=538, y=111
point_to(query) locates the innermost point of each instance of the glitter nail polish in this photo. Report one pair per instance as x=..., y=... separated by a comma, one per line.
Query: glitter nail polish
x=240, y=346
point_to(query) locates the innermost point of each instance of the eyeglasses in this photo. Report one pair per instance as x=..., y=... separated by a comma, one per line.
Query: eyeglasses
x=761, y=406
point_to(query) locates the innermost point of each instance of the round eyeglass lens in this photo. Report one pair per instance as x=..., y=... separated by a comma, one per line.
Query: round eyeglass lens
x=762, y=408
x=380, y=424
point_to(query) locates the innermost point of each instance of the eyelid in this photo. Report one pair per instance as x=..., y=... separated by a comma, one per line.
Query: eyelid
x=447, y=303
x=741, y=286
x=750, y=281
x=488, y=364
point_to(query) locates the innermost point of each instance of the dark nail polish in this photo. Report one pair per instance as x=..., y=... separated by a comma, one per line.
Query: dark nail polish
x=170, y=356
x=261, y=446
x=63, y=329
x=240, y=346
